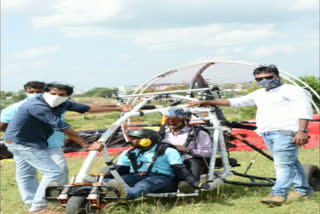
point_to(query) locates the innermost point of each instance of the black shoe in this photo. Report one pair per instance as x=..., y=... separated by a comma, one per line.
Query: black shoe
x=185, y=187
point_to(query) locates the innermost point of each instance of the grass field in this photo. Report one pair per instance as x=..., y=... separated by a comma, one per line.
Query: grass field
x=225, y=199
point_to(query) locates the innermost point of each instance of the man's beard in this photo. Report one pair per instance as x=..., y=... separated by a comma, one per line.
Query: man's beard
x=176, y=128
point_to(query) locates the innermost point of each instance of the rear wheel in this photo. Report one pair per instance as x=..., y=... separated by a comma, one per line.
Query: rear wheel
x=313, y=175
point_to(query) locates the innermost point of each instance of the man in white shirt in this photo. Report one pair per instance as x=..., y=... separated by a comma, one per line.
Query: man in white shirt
x=283, y=115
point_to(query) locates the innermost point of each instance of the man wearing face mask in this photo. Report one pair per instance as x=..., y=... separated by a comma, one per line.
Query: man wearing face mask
x=28, y=132
x=55, y=143
x=32, y=89
x=283, y=115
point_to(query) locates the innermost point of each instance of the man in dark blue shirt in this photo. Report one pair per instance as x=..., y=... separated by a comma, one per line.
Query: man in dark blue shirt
x=28, y=131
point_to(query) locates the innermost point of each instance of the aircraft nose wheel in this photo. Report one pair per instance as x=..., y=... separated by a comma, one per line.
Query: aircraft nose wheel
x=80, y=205
x=92, y=210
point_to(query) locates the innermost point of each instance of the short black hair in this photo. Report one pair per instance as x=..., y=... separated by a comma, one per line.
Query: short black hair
x=59, y=86
x=266, y=69
x=34, y=84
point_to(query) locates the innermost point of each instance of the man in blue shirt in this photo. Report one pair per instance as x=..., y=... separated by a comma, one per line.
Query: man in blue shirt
x=144, y=174
x=55, y=141
x=28, y=132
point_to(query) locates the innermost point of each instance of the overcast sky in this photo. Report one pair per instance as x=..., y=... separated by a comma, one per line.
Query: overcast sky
x=110, y=43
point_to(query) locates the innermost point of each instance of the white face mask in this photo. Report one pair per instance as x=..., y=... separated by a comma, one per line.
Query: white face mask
x=53, y=100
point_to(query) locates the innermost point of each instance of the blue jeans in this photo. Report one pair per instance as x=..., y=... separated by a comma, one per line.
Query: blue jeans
x=289, y=170
x=27, y=161
x=142, y=185
x=58, y=157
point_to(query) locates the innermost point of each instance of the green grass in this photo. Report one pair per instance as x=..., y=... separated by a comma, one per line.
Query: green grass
x=104, y=120
x=92, y=121
x=225, y=199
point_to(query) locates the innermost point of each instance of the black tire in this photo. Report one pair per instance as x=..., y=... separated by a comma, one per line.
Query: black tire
x=313, y=175
x=76, y=205
x=80, y=205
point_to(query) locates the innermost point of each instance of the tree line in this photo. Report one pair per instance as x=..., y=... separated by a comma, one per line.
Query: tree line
x=8, y=98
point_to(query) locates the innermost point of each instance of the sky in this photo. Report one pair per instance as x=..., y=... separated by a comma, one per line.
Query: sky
x=112, y=43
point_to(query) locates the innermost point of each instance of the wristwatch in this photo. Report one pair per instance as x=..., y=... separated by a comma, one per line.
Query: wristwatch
x=304, y=130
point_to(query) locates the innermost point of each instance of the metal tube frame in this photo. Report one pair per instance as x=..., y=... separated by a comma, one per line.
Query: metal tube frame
x=219, y=144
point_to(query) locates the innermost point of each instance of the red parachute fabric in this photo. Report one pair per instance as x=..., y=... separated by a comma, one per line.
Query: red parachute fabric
x=252, y=137
x=255, y=139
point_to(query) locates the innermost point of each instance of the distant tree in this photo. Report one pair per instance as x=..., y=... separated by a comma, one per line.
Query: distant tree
x=19, y=96
x=130, y=92
x=177, y=87
x=90, y=93
x=106, y=93
x=251, y=89
x=314, y=83
x=101, y=92
x=248, y=112
x=8, y=98
x=6, y=94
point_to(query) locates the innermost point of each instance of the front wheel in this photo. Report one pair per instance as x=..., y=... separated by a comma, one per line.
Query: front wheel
x=313, y=175
x=80, y=205
x=76, y=205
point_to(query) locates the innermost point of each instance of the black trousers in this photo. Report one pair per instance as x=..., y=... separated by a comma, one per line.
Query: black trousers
x=196, y=166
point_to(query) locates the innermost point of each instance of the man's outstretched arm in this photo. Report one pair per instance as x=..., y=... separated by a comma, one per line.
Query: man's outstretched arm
x=209, y=103
x=109, y=108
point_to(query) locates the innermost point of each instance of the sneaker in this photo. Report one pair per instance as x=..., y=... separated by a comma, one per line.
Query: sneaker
x=276, y=200
x=117, y=185
x=297, y=195
x=46, y=211
x=185, y=187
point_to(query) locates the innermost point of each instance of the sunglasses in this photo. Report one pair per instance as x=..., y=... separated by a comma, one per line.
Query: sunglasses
x=258, y=79
x=173, y=120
